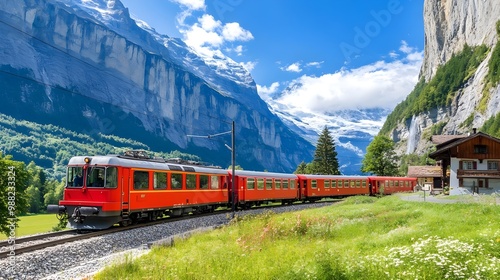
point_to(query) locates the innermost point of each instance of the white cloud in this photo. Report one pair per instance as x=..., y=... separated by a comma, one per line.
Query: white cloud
x=250, y=65
x=191, y=4
x=316, y=64
x=233, y=32
x=265, y=92
x=294, y=67
x=378, y=85
x=405, y=48
x=208, y=36
x=208, y=23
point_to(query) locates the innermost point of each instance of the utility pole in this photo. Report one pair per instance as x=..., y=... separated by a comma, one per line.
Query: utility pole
x=233, y=162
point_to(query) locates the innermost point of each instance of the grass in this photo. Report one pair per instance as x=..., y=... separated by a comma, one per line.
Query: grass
x=360, y=238
x=34, y=224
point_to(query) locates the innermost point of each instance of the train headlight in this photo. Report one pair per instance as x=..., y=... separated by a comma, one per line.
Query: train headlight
x=87, y=160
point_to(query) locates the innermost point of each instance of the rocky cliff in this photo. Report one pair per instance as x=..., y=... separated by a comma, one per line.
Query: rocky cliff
x=87, y=66
x=449, y=26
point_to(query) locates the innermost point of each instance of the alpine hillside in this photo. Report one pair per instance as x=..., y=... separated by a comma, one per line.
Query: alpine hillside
x=458, y=87
x=88, y=67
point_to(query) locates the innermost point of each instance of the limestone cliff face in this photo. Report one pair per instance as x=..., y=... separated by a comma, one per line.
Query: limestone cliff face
x=97, y=71
x=449, y=26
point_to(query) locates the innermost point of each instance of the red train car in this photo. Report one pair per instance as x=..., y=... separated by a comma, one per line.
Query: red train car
x=105, y=190
x=316, y=187
x=389, y=185
x=255, y=188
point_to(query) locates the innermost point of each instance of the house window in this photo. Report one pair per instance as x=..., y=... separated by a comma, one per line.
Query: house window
x=492, y=165
x=469, y=165
x=480, y=149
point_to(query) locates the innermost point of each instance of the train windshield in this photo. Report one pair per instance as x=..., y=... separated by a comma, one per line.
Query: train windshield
x=95, y=177
x=75, y=177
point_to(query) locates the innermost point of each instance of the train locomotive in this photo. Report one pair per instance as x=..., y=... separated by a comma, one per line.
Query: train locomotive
x=102, y=191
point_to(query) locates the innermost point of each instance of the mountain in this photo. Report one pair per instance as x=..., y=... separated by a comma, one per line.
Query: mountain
x=458, y=88
x=352, y=130
x=87, y=66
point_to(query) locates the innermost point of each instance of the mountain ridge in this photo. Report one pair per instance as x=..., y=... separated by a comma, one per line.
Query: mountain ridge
x=108, y=79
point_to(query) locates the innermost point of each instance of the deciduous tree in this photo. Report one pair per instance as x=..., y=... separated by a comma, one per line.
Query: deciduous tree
x=380, y=158
x=13, y=182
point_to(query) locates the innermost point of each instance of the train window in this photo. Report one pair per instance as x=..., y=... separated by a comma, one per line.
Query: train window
x=214, y=182
x=358, y=183
x=340, y=183
x=191, y=181
x=111, y=178
x=74, y=177
x=293, y=184
x=314, y=184
x=285, y=184
x=363, y=184
x=277, y=184
x=141, y=180
x=95, y=177
x=176, y=181
x=391, y=183
x=353, y=184
x=334, y=183
x=346, y=184
x=407, y=183
x=260, y=184
x=250, y=183
x=269, y=184
x=160, y=181
x=327, y=184
x=396, y=183
x=203, y=182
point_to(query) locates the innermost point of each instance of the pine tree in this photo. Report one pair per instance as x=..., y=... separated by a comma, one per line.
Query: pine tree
x=301, y=169
x=325, y=157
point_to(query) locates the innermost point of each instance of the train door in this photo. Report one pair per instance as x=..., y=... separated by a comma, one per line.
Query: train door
x=125, y=188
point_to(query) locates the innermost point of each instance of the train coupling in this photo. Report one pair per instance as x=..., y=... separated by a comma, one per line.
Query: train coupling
x=80, y=213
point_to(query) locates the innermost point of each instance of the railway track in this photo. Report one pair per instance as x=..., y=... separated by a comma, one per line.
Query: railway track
x=52, y=239
x=42, y=243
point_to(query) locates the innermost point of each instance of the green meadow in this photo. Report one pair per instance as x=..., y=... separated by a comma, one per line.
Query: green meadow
x=360, y=238
x=34, y=224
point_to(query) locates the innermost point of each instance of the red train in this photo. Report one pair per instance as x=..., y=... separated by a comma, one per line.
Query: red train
x=122, y=189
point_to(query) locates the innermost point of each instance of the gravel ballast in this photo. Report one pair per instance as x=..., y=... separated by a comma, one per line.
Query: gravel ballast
x=80, y=259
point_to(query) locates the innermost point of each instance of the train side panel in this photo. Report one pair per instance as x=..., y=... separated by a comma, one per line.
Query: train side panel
x=316, y=187
x=170, y=190
x=260, y=187
x=388, y=185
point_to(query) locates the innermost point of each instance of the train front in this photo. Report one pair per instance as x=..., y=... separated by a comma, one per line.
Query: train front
x=92, y=197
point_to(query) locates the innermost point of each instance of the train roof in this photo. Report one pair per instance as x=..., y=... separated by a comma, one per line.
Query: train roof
x=115, y=160
x=247, y=173
x=333, y=177
x=391, y=178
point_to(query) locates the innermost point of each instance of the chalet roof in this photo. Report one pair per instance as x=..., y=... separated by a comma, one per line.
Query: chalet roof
x=446, y=146
x=441, y=139
x=424, y=171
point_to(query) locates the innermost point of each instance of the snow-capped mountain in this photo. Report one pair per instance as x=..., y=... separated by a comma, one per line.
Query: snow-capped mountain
x=352, y=130
x=87, y=66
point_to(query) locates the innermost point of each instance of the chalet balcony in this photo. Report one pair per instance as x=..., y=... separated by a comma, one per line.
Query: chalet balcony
x=468, y=173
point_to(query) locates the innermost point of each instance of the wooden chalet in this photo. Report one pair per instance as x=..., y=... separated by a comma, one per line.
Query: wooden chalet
x=428, y=177
x=472, y=162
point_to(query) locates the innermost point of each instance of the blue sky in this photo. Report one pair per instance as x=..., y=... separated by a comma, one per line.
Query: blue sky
x=346, y=54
